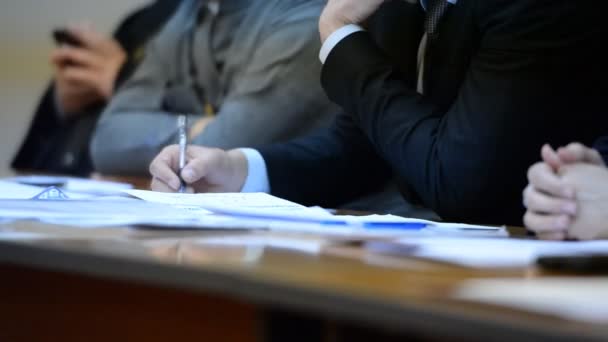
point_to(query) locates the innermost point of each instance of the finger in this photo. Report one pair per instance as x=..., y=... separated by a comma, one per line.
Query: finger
x=577, y=152
x=542, y=223
x=550, y=157
x=88, y=78
x=160, y=186
x=196, y=169
x=543, y=178
x=82, y=57
x=164, y=167
x=553, y=236
x=537, y=201
x=78, y=75
x=89, y=38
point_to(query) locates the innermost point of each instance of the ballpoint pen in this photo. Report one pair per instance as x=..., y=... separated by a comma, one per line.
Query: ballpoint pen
x=182, y=124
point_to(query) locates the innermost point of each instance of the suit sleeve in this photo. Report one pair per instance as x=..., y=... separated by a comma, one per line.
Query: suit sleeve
x=338, y=163
x=133, y=126
x=327, y=168
x=468, y=161
x=277, y=96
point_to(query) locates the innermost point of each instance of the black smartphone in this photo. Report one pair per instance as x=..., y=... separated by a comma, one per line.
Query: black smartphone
x=592, y=264
x=64, y=36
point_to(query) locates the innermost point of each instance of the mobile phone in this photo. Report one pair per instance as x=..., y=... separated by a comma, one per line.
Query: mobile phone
x=591, y=263
x=64, y=36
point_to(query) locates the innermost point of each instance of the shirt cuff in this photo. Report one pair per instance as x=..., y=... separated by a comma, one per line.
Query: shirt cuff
x=335, y=38
x=257, y=176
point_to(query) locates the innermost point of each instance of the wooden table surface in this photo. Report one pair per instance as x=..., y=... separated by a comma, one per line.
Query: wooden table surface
x=344, y=283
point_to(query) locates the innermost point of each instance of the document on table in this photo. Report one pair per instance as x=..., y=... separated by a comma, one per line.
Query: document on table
x=487, y=252
x=286, y=215
x=96, y=213
x=12, y=190
x=211, y=211
x=582, y=298
x=74, y=184
x=233, y=203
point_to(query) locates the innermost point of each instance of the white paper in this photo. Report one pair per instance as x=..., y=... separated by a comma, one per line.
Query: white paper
x=95, y=212
x=91, y=186
x=256, y=200
x=12, y=190
x=250, y=205
x=11, y=235
x=74, y=184
x=292, y=216
x=121, y=211
x=493, y=252
x=582, y=298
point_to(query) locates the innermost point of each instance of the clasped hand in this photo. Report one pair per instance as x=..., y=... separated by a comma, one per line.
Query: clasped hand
x=567, y=195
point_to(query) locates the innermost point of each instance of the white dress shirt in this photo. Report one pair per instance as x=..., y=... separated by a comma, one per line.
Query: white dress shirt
x=257, y=175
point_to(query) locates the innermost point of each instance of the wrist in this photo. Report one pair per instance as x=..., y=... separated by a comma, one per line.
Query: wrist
x=239, y=169
x=329, y=23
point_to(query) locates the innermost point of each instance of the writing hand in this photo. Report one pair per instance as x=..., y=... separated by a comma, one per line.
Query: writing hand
x=206, y=170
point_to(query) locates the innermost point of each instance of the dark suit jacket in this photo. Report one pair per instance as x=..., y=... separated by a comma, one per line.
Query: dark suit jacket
x=54, y=145
x=502, y=78
x=601, y=145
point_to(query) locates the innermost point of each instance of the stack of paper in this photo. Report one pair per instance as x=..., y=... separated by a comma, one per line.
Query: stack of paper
x=205, y=211
x=12, y=190
x=74, y=184
x=280, y=214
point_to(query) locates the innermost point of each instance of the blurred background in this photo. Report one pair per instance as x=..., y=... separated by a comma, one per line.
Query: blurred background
x=25, y=44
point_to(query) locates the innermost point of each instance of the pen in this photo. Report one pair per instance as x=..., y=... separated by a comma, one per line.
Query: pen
x=182, y=124
x=395, y=225
x=379, y=224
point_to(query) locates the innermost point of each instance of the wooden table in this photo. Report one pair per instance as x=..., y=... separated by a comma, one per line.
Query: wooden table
x=124, y=284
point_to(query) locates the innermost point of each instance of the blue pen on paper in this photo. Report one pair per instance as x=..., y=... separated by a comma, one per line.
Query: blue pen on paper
x=330, y=221
x=395, y=225
x=378, y=224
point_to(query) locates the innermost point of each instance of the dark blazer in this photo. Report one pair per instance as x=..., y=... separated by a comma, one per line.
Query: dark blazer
x=502, y=78
x=601, y=145
x=54, y=145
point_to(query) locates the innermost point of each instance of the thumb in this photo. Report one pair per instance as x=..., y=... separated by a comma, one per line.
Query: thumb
x=577, y=152
x=550, y=157
x=198, y=167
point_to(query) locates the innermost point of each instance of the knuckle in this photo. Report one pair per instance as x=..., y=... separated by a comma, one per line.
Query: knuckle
x=533, y=170
x=154, y=169
x=526, y=192
x=529, y=220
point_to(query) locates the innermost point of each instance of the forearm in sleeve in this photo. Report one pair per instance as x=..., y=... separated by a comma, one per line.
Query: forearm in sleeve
x=468, y=161
x=277, y=97
x=327, y=168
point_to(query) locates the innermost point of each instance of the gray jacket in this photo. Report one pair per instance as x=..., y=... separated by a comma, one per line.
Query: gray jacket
x=259, y=69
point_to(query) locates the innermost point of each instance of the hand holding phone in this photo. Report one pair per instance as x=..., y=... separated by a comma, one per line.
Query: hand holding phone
x=63, y=36
x=86, y=66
